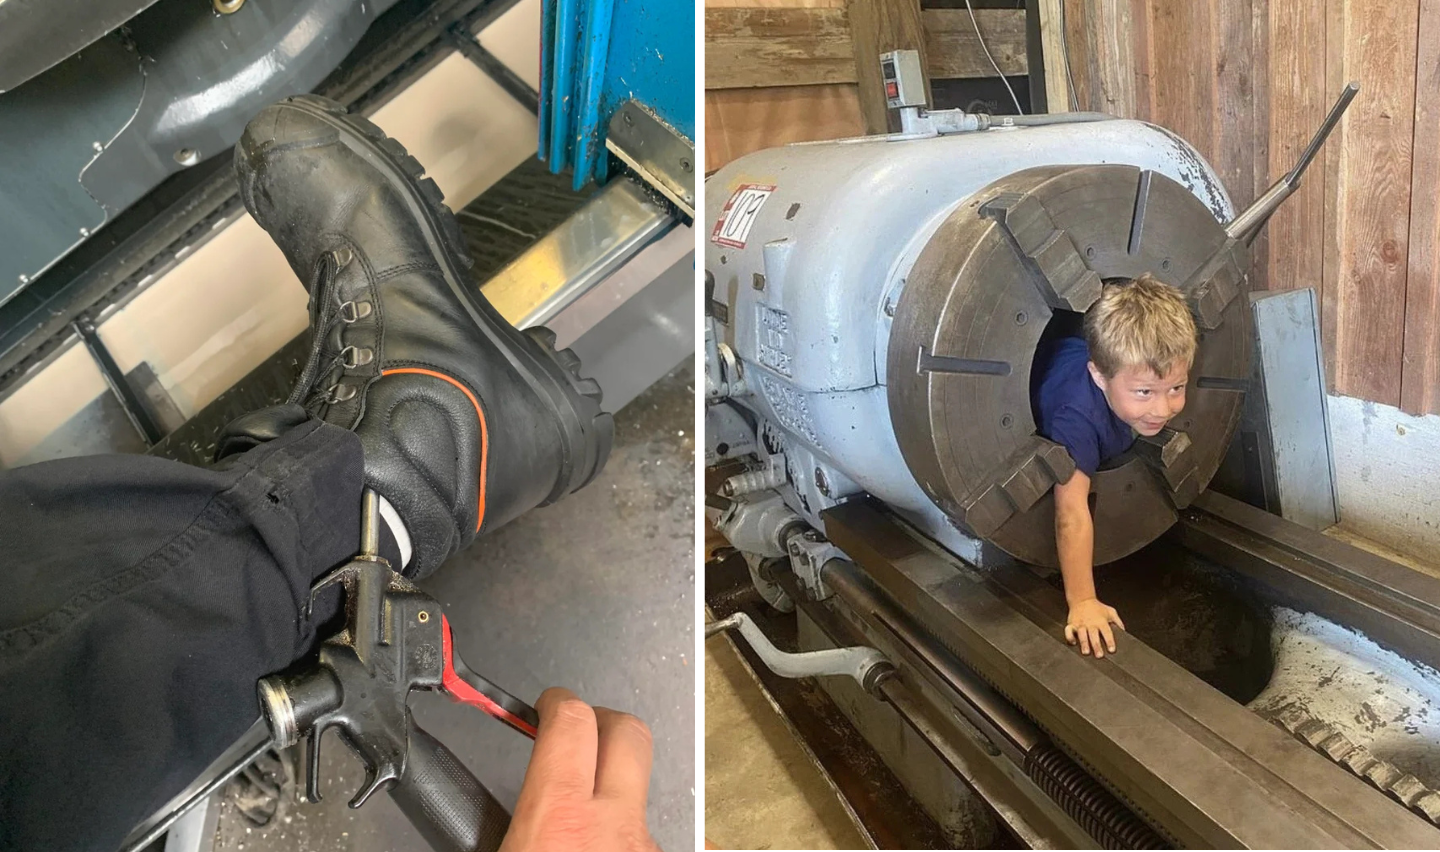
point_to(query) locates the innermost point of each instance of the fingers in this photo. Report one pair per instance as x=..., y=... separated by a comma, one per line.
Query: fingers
x=1095, y=642
x=565, y=746
x=1084, y=636
x=1115, y=617
x=1069, y=634
x=1109, y=637
x=622, y=769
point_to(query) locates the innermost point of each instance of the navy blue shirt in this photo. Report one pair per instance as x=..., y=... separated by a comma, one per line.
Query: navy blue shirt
x=1070, y=410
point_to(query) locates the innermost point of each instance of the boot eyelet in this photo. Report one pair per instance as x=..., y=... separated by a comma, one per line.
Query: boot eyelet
x=353, y=357
x=351, y=312
x=340, y=393
x=342, y=257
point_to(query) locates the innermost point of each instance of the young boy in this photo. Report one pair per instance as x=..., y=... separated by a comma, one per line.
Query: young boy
x=1093, y=395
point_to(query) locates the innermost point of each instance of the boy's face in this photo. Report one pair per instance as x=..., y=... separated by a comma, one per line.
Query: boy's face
x=1145, y=401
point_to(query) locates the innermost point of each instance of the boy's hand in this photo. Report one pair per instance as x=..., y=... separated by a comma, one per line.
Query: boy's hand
x=1089, y=621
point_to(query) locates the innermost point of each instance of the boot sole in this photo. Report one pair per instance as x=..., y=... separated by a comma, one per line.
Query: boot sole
x=587, y=433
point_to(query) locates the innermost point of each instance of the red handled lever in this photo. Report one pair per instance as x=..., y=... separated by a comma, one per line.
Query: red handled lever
x=464, y=686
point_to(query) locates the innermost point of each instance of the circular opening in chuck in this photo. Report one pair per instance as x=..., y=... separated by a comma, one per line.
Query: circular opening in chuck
x=1014, y=268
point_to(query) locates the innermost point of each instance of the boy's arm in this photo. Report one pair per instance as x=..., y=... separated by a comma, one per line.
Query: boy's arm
x=1089, y=620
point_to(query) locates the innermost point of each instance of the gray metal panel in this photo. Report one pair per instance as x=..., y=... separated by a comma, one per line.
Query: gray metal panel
x=93, y=135
x=36, y=35
x=643, y=339
x=49, y=130
x=1291, y=370
x=208, y=74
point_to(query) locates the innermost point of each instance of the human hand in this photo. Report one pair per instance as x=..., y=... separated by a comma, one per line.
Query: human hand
x=1089, y=621
x=587, y=782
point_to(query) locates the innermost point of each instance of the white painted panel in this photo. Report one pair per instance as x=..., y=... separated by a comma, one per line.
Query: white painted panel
x=465, y=129
x=514, y=38
x=42, y=405
x=1387, y=467
x=224, y=309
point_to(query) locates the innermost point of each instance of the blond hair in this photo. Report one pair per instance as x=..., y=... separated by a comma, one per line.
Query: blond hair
x=1140, y=322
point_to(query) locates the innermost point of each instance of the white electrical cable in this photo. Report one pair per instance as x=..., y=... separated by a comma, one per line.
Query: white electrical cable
x=1065, y=56
x=993, y=64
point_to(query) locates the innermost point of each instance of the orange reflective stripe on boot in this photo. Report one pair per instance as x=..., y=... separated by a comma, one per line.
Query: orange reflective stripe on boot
x=484, y=436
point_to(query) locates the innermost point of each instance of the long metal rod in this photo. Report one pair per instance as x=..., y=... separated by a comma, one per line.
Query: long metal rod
x=134, y=407
x=370, y=524
x=1333, y=118
x=972, y=754
x=982, y=706
x=1247, y=225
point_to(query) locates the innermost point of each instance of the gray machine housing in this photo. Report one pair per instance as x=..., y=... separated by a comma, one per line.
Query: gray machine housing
x=807, y=260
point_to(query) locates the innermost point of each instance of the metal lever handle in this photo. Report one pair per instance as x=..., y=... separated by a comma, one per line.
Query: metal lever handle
x=450, y=808
x=1247, y=225
x=867, y=666
x=466, y=687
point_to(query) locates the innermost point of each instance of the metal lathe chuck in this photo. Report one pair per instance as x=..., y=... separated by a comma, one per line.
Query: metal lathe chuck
x=1031, y=247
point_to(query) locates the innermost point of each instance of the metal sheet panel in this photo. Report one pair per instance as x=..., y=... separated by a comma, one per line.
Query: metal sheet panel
x=51, y=131
x=1292, y=379
x=36, y=35
x=652, y=59
x=567, y=262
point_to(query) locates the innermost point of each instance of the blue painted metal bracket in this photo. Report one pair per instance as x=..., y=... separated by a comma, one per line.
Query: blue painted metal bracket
x=597, y=54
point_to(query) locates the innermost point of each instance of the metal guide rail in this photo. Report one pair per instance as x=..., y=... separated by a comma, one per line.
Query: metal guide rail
x=1195, y=765
x=1294, y=566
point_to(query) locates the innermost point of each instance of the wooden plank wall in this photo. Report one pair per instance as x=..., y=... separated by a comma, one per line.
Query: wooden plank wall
x=741, y=120
x=1247, y=82
x=781, y=71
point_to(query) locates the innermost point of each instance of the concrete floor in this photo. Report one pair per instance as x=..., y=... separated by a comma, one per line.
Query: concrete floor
x=595, y=593
x=761, y=789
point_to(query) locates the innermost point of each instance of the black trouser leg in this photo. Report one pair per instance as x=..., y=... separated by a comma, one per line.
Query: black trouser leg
x=140, y=600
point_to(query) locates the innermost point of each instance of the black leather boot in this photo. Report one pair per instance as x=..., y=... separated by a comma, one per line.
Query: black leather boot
x=466, y=422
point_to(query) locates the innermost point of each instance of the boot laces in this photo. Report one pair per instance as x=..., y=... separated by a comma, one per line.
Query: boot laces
x=326, y=312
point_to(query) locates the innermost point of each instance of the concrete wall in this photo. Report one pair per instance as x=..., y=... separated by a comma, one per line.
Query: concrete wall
x=1387, y=474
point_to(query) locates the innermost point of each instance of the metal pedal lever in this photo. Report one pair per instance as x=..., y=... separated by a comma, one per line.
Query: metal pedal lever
x=867, y=666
